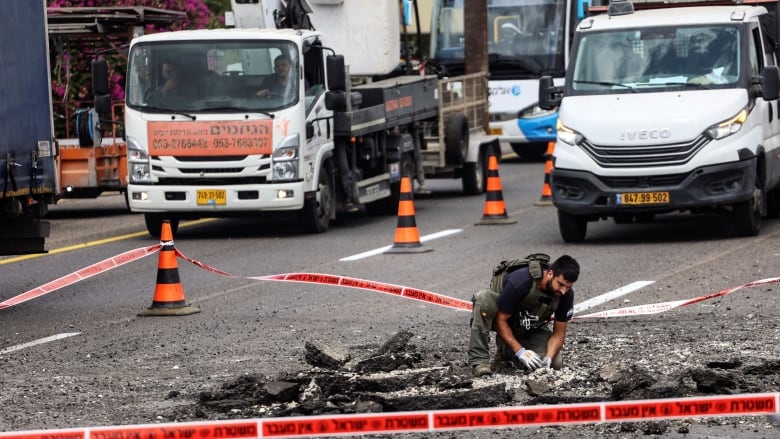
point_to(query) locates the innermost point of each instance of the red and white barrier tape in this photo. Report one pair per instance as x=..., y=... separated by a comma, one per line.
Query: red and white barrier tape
x=84, y=273
x=350, y=282
x=655, y=308
x=432, y=420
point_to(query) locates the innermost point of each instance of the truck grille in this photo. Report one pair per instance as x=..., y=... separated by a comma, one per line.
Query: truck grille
x=643, y=182
x=211, y=181
x=617, y=156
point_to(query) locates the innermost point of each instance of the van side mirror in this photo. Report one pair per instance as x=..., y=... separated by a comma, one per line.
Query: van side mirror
x=770, y=83
x=550, y=95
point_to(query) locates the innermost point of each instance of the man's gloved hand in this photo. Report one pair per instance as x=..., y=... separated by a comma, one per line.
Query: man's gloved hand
x=546, y=362
x=529, y=359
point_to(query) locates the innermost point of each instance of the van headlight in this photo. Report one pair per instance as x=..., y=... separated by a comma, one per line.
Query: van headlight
x=285, y=159
x=567, y=135
x=727, y=127
x=138, y=170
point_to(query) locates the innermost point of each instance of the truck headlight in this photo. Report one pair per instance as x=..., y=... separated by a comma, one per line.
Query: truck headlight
x=727, y=127
x=567, y=135
x=285, y=159
x=137, y=164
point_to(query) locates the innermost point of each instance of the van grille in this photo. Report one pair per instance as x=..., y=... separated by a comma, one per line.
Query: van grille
x=619, y=156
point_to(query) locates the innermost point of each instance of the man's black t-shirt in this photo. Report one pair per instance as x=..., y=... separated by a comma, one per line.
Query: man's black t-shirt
x=518, y=284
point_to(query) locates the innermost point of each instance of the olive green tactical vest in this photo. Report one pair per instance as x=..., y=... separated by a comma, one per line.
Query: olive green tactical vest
x=537, y=308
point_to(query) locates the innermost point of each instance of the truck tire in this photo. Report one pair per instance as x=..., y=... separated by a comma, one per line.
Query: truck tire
x=456, y=139
x=317, y=211
x=475, y=175
x=747, y=215
x=154, y=222
x=773, y=203
x=572, y=227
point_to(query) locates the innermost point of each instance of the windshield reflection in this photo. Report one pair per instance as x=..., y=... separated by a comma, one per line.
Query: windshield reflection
x=633, y=60
x=213, y=76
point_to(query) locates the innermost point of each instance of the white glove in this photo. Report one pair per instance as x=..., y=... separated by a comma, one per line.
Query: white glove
x=529, y=359
x=546, y=362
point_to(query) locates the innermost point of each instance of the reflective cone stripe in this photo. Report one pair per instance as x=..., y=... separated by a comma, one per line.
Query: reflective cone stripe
x=495, y=209
x=494, y=202
x=407, y=238
x=406, y=232
x=546, y=198
x=168, y=292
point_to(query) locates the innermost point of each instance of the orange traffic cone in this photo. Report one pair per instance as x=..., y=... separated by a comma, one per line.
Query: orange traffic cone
x=546, y=199
x=495, y=209
x=168, y=294
x=407, y=238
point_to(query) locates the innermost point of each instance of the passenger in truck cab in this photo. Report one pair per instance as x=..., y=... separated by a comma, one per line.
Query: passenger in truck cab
x=170, y=86
x=280, y=83
x=277, y=84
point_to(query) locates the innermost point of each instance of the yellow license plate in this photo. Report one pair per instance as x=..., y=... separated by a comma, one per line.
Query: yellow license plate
x=212, y=197
x=643, y=198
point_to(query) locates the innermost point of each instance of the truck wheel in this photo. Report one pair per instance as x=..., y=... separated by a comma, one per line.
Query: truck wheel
x=456, y=138
x=154, y=222
x=747, y=214
x=773, y=203
x=474, y=175
x=573, y=228
x=316, y=212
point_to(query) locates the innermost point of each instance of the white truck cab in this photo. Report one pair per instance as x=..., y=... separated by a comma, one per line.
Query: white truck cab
x=667, y=109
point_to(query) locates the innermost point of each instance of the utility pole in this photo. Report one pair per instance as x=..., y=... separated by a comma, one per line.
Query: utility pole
x=475, y=21
x=476, y=46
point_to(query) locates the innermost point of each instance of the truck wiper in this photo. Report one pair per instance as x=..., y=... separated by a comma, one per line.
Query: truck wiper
x=686, y=84
x=248, y=110
x=606, y=84
x=168, y=110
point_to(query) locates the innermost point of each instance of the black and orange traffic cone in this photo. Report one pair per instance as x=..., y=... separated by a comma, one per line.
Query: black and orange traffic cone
x=495, y=209
x=546, y=199
x=407, y=238
x=168, y=293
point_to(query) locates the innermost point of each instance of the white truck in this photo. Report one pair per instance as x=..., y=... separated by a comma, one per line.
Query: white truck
x=223, y=145
x=668, y=109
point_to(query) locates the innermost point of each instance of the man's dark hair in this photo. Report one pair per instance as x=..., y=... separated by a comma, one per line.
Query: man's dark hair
x=566, y=266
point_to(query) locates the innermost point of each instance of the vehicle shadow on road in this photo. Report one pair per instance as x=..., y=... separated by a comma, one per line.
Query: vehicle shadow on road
x=666, y=229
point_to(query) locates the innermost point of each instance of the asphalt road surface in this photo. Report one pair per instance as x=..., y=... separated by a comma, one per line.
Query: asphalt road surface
x=81, y=356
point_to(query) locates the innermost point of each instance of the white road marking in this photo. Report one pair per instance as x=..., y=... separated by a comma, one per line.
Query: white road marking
x=611, y=295
x=37, y=342
x=377, y=251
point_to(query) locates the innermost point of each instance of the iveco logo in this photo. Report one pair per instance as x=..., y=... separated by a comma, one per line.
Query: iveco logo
x=645, y=133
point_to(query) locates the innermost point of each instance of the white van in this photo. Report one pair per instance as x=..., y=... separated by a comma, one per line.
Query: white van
x=667, y=109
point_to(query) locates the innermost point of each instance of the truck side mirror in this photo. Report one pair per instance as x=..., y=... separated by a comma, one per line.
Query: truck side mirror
x=770, y=83
x=337, y=76
x=102, y=104
x=550, y=95
x=99, y=77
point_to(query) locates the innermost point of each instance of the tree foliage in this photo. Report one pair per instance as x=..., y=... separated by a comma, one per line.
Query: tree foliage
x=71, y=61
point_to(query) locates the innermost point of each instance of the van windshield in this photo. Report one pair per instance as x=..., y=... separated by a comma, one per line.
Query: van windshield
x=632, y=60
x=213, y=76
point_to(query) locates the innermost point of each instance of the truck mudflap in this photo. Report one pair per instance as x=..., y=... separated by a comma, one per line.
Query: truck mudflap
x=585, y=194
x=23, y=237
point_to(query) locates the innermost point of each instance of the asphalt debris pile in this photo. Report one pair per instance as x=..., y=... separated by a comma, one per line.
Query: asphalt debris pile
x=397, y=376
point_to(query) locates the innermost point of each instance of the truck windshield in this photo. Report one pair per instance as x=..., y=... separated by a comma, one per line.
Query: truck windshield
x=212, y=76
x=633, y=60
x=525, y=38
